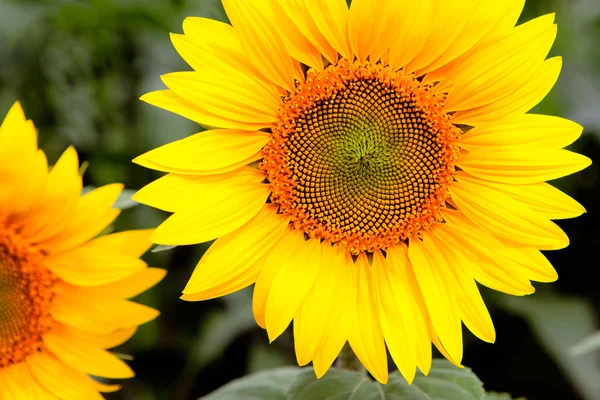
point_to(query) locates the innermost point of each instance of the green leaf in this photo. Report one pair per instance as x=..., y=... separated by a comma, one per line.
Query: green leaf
x=445, y=382
x=162, y=247
x=124, y=201
x=337, y=384
x=268, y=385
x=586, y=345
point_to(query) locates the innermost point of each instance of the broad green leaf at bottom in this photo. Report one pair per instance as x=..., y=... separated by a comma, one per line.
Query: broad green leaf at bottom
x=445, y=382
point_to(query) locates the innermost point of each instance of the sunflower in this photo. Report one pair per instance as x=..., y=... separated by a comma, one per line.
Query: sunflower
x=365, y=167
x=62, y=292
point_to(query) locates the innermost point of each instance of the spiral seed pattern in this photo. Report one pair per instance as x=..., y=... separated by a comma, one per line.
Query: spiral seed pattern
x=26, y=291
x=361, y=157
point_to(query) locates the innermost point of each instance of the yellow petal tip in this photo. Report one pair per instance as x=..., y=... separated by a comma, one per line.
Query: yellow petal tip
x=139, y=160
x=187, y=297
x=319, y=374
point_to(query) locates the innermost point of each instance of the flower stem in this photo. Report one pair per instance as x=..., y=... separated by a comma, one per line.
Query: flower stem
x=348, y=360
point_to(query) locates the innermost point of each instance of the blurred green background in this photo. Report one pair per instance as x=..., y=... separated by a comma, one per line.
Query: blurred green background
x=79, y=67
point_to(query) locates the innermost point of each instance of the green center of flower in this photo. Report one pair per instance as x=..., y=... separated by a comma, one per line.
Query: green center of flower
x=362, y=156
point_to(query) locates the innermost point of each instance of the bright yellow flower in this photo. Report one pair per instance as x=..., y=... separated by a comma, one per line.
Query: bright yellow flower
x=62, y=292
x=371, y=165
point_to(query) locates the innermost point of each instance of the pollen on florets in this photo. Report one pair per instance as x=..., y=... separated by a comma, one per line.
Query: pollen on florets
x=26, y=292
x=361, y=156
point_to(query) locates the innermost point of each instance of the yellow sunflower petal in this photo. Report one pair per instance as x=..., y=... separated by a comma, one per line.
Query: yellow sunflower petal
x=123, y=289
x=216, y=214
x=338, y=325
x=18, y=147
x=390, y=21
x=85, y=357
x=210, y=45
x=441, y=33
x=540, y=197
x=486, y=267
x=521, y=165
x=506, y=218
x=260, y=41
x=11, y=126
x=290, y=285
x=92, y=266
x=286, y=248
x=504, y=32
x=462, y=226
x=133, y=243
x=17, y=383
x=510, y=12
x=236, y=98
x=536, y=265
x=427, y=263
x=298, y=46
x=423, y=320
x=168, y=100
x=92, y=214
x=211, y=150
x=239, y=282
x=474, y=313
x=487, y=19
x=103, y=341
x=365, y=26
x=518, y=100
x=103, y=387
x=175, y=192
x=13, y=384
x=438, y=345
x=412, y=23
x=510, y=267
x=102, y=318
x=366, y=336
x=125, y=313
x=232, y=255
x=20, y=192
x=61, y=380
x=401, y=328
x=331, y=17
x=299, y=13
x=62, y=191
x=499, y=68
x=320, y=312
x=537, y=131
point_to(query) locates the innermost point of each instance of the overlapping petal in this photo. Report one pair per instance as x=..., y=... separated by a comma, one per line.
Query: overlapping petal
x=366, y=335
x=261, y=43
x=231, y=262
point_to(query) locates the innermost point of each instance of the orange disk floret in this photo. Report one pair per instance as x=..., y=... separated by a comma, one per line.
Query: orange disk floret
x=361, y=156
x=26, y=292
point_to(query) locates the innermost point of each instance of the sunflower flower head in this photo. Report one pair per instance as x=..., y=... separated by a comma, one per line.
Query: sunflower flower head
x=365, y=167
x=63, y=294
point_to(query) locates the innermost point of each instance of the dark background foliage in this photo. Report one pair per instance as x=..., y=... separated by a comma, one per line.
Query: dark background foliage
x=78, y=67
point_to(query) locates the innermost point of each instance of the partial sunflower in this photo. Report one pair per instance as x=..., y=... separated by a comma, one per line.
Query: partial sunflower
x=63, y=294
x=365, y=167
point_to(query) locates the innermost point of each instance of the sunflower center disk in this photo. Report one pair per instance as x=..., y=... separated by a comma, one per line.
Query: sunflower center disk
x=361, y=156
x=25, y=297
